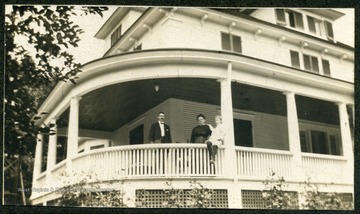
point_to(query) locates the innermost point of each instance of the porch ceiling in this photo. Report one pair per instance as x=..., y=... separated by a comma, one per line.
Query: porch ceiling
x=110, y=107
x=113, y=106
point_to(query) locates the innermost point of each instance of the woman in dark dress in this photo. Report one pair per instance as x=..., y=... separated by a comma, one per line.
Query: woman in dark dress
x=201, y=132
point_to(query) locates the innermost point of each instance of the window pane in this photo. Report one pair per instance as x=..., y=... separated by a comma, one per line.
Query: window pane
x=243, y=133
x=295, y=60
x=326, y=67
x=298, y=20
x=291, y=19
x=335, y=150
x=314, y=64
x=329, y=30
x=237, y=44
x=319, y=143
x=307, y=65
x=280, y=16
x=303, y=141
x=311, y=23
x=225, y=41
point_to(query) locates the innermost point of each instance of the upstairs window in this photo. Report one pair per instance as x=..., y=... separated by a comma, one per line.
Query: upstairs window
x=289, y=17
x=295, y=60
x=315, y=26
x=295, y=19
x=329, y=30
x=116, y=35
x=231, y=42
x=311, y=63
x=326, y=67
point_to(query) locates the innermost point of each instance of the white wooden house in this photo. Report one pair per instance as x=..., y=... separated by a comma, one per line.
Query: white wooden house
x=281, y=81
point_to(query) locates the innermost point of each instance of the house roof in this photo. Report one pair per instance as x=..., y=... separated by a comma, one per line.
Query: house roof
x=113, y=20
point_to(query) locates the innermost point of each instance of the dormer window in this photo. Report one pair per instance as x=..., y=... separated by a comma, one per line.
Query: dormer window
x=289, y=17
x=116, y=35
x=295, y=20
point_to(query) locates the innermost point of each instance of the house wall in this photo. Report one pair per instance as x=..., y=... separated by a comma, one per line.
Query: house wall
x=266, y=14
x=269, y=131
x=186, y=32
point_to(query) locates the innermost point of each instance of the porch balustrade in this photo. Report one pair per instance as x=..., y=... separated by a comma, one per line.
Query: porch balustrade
x=255, y=163
x=326, y=168
x=162, y=161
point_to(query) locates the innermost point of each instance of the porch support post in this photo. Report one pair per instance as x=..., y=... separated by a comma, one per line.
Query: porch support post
x=346, y=139
x=230, y=162
x=38, y=158
x=73, y=130
x=51, y=156
x=294, y=138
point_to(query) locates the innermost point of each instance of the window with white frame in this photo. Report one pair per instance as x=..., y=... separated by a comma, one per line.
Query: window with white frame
x=295, y=59
x=326, y=67
x=311, y=63
x=289, y=17
x=230, y=42
x=320, y=142
x=295, y=20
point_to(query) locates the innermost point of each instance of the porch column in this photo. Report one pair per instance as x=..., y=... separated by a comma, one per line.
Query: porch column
x=38, y=157
x=51, y=156
x=346, y=138
x=294, y=138
x=73, y=129
x=230, y=162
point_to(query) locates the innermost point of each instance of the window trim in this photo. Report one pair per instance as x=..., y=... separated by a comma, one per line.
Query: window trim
x=307, y=127
x=311, y=63
x=231, y=37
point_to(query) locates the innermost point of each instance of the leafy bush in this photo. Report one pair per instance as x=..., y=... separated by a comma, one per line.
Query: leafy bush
x=173, y=197
x=200, y=197
x=81, y=189
x=275, y=196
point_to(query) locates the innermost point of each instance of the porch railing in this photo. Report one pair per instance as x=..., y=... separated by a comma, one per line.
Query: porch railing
x=150, y=160
x=326, y=168
x=192, y=160
x=255, y=163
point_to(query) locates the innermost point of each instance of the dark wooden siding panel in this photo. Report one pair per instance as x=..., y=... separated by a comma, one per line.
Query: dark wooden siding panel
x=270, y=131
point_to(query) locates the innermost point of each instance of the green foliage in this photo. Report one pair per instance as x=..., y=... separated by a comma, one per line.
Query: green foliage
x=275, y=196
x=36, y=58
x=173, y=197
x=200, y=197
x=82, y=189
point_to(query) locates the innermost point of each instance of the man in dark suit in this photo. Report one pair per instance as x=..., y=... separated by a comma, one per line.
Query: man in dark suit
x=159, y=131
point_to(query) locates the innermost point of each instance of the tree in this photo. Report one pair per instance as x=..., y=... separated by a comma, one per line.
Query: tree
x=37, y=39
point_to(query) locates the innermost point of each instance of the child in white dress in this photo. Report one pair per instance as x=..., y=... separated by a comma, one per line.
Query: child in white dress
x=216, y=139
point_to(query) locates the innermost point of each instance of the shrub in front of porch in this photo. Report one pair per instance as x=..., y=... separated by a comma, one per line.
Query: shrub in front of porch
x=276, y=197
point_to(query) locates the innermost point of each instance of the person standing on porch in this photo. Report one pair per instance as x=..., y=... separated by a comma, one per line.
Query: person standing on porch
x=201, y=132
x=216, y=139
x=159, y=131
